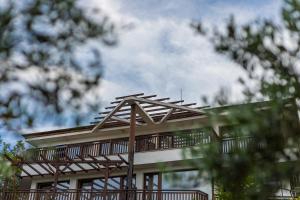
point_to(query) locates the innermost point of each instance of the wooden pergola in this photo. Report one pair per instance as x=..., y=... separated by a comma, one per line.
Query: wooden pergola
x=143, y=110
x=66, y=165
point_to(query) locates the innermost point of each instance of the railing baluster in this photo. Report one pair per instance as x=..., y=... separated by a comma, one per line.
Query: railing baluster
x=143, y=143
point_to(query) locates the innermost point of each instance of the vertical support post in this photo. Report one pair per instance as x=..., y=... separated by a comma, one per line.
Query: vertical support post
x=131, y=150
x=56, y=177
x=159, y=194
x=106, y=181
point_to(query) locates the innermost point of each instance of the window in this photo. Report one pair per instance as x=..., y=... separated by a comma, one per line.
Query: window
x=60, y=190
x=180, y=180
x=61, y=185
x=98, y=184
x=152, y=181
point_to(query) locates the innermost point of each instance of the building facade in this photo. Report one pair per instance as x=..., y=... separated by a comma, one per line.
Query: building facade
x=133, y=151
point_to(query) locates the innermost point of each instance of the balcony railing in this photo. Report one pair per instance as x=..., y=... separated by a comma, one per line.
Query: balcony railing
x=142, y=144
x=119, y=146
x=104, y=195
x=230, y=144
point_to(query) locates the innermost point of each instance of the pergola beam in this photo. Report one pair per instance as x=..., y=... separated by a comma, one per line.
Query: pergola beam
x=136, y=99
x=47, y=170
x=78, y=165
x=165, y=118
x=121, y=158
x=67, y=167
x=109, y=116
x=120, y=119
x=146, y=117
x=161, y=99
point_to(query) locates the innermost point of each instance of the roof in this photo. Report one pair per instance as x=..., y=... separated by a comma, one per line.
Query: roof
x=150, y=110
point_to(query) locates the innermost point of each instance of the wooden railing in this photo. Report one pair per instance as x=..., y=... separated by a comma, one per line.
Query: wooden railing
x=119, y=146
x=230, y=144
x=104, y=195
x=142, y=144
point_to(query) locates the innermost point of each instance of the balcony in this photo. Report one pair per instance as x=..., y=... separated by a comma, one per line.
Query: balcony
x=104, y=195
x=144, y=143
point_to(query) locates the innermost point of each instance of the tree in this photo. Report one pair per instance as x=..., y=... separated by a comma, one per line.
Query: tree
x=8, y=178
x=50, y=64
x=50, y=61
x=269, y=54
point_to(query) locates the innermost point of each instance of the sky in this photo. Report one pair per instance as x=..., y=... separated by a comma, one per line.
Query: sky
x=161, y=54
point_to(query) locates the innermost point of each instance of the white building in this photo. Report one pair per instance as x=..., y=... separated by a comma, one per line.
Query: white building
x=92, y=162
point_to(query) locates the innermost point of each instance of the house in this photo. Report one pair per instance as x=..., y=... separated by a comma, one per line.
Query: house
x=121, y=155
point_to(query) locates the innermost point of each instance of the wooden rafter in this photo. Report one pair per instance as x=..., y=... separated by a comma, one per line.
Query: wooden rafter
x=120, y=119
x=144, y=114
x=66, y=165
x=161, y=99
x=108, y=116
x=164, y=104
x=165, y=118
x=147, y=106
x=126, y=114
x=150, y=111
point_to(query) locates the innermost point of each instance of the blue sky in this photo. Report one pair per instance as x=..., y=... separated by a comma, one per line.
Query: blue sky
x=162, y=54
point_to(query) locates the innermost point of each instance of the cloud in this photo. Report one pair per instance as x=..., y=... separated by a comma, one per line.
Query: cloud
x=162, y=54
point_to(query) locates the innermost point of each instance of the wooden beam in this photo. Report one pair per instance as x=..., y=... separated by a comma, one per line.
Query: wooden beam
x=148, y=110
x=105, y=157
x=96, y=160
x=91, y=164
x=68, y=167
x=121, y=120
x=162, y=99
x=26, y=172
x=34, y=169
x=56, y=177
x=78, y=165
x=165, y=118
x=122, y=97
x=131, y=146
x=46, y=162
x=147, y=106
x=108, y=116
x=165, y=104
x=145, y=97
x=106, y=181
x=121, y=158
x=47, y=170
x=143, y=114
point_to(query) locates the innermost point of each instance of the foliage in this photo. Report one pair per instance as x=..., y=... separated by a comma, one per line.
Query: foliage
x=269, y=54
x=50, y=61
x=7, y=172
x=50, y=64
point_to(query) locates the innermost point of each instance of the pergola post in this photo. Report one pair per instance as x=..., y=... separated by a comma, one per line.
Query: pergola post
x=131, y=149
x=56, y=177
x=106, y=181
